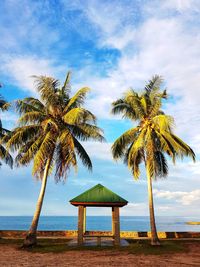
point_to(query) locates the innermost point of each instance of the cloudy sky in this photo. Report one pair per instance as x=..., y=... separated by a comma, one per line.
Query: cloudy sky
x=109, y=46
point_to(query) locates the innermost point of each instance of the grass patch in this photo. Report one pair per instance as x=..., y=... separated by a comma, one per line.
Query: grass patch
x=46, y=246
x=11, y=241
x=136, y=246
x=58, y=246
x=166, y=247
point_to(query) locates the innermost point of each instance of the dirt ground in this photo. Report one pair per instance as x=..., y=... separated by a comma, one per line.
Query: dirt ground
x=11, y=256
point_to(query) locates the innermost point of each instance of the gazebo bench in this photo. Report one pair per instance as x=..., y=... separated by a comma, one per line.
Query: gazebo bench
x=98, y=237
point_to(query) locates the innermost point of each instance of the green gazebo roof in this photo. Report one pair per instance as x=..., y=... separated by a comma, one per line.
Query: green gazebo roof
x=99, y=195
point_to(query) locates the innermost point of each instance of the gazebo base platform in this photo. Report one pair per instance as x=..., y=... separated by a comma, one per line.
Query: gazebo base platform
x=93, y=241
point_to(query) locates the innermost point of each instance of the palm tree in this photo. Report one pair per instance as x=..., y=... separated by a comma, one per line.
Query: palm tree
x=150, y=140
x=4, y=154
x=49, y=132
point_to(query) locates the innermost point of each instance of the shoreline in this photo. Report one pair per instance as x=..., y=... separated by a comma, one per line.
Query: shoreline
x=123, y=234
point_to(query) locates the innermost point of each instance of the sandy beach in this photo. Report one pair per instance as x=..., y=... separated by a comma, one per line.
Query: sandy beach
x=12, y=256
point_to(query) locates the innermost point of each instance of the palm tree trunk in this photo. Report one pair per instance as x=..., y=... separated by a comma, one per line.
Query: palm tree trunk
x=154, y=236
x=31, y=237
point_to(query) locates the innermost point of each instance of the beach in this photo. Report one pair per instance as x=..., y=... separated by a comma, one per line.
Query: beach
x=12, y=256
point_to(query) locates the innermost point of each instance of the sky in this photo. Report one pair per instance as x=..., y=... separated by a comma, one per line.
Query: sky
x=108, y=46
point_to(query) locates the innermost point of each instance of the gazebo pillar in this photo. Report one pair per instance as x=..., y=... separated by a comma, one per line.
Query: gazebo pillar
x=80, y=224
x=84, y=220
x=113, y=232
x=116, y=225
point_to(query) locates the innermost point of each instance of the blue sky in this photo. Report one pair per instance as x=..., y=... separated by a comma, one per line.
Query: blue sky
x=109, y=46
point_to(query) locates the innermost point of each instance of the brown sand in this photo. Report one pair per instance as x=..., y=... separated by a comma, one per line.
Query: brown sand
x=13, y=257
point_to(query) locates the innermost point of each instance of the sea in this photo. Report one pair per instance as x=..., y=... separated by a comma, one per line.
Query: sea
x=127, y=223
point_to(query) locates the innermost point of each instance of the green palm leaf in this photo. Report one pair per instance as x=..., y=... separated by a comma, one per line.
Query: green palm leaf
x=78, y=99
x=4, y=133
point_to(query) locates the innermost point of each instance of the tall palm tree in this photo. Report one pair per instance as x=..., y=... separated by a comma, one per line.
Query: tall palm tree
x=150, y=140
x=4, y=154
x=49, y=132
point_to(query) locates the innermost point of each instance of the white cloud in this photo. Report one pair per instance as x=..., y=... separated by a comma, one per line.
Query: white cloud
x=185, y=198
x=25, y=30
x=163, y=45
x=195, y=143
x=163, y=208
x=186, y=8
x=98, y=150
x=187, y=167
x=110, y=19
x=100, y=105
x=132, y=209
x=82, y=182
x=9, y=119
x=21, y=69
x=182, y=5
x=191, y=197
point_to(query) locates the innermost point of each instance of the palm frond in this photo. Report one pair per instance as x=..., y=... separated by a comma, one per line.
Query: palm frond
x=79, y=115
x=78, y=99
x=31, y=117
x=5, y=106
x=5, y=156
x=83, y=154
x=3, y=131
x=66, y=86
x=134, y=100
x=187, y=150
x=121, y=106
x=49, y=124
x=86, y=132
x=144, y=103
x=2, y=102
x=161, y=169
x=65, y=155
x=153, y=84
x=45, y=150
x=165, y=145
x=27, y=152
x=133, y=158
x=35, y=102
x=155, y=108
x=120, y=145
x=136, y=146
x=20, y=136
x=48, y=88
x=24, y=106
x=163, y=122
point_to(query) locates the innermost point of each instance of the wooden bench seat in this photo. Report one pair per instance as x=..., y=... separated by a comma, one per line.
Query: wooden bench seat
x=98, y=237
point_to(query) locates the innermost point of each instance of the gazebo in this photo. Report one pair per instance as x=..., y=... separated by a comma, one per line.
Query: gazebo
x=98, y=196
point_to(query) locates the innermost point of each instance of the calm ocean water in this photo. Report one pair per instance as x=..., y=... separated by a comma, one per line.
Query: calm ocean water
x=128, y=223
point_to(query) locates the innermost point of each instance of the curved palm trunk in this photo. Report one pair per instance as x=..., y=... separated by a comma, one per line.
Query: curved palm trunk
x=154, y=236
x=31, y=237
